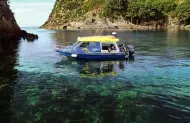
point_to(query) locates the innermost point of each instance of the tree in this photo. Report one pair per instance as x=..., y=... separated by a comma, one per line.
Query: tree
x=183, y=12
x=115, y=8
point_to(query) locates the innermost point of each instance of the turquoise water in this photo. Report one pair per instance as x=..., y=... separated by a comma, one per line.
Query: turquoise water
x=39, y=85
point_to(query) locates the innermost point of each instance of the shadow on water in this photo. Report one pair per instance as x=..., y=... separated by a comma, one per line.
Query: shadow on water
x=8, y=74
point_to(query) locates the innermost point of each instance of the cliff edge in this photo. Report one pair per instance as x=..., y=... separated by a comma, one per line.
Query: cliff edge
x=9, y=28
x=7, y=20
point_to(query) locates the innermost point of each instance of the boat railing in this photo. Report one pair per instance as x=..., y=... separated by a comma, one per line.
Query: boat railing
x=66, y=47
x=62, y=45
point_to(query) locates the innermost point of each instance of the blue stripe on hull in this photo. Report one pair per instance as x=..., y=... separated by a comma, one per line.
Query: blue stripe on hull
x=96, y=56
x=101, y=57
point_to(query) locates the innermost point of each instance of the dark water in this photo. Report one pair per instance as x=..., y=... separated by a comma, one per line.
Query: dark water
x=39, y=85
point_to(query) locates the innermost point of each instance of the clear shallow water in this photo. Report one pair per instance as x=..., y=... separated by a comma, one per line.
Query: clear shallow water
x=39, y=85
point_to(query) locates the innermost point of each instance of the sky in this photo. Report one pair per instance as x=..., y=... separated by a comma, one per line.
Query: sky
x=31, y=13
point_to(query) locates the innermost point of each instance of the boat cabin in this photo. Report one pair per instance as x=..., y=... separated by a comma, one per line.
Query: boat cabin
x=97, y=44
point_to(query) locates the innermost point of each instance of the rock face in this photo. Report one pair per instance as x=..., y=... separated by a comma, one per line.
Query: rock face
x=114, y=14
x=9, y=29
x=7, y=20
x=70, y=15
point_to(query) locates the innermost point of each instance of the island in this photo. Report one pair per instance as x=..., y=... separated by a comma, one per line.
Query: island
x=119, y=14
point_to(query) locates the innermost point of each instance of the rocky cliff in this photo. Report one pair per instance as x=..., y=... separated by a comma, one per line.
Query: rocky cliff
x=9, y=29
x=81, y=14
x=116, y=14
x=7, y=20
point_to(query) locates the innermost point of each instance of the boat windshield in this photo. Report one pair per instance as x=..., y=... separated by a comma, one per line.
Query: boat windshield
x=76, y=44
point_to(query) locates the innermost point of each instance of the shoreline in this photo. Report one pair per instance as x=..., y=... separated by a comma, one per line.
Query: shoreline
x=128, y=27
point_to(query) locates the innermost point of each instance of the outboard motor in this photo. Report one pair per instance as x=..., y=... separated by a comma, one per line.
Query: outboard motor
x=131, y=50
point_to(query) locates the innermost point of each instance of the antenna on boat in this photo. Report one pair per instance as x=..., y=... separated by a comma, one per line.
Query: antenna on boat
x=96, y=31
x=101, y=30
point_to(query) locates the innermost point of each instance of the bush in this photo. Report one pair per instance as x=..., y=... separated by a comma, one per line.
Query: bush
x=133, y=10
x=165, y=6
x=115, y=8
x=183, y=12
x=148, y=10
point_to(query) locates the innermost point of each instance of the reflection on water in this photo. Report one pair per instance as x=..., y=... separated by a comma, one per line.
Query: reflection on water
x=95, y=69
x=39, y=85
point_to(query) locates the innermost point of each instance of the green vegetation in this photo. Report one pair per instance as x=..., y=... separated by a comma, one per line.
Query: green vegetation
x=141, y=10
x=135, y=11
x=73, y=9
x=183, y=12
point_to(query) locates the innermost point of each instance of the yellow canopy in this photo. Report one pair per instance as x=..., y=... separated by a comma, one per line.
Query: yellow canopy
x=98, y=39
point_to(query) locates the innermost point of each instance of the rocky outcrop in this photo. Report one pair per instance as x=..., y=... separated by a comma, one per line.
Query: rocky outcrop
x=7, y=20
x=84, y=14
x=9, y=29
x=89, y=20
x=116, y=14
x=187, y=27
x=92, y=19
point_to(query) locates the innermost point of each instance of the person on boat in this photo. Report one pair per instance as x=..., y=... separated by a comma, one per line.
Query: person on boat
x=122, y=48
x=111, y=48
x=114, y=34
x=84, y=44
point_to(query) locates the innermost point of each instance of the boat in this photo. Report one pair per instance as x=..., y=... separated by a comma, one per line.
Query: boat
x=96, y=48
